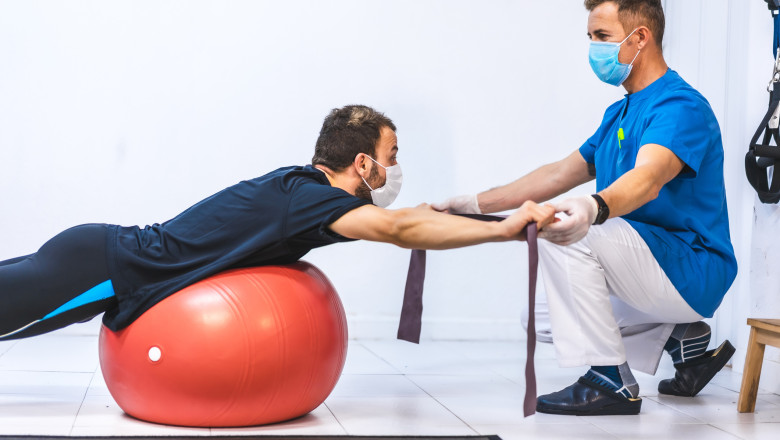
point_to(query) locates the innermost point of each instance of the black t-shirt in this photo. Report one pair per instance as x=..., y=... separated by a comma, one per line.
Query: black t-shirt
x=273, y=219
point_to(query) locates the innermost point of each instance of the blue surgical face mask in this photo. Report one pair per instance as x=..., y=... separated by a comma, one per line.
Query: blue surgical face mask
x=605, y=64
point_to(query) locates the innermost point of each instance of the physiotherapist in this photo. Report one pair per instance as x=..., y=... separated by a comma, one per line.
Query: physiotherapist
x=631, y=271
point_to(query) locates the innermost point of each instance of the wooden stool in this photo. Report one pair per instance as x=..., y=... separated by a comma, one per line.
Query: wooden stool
x=762, y=332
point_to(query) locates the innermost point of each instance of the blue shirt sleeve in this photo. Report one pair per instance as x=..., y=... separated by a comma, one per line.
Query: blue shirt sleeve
x=685, y=124
x=588, y=149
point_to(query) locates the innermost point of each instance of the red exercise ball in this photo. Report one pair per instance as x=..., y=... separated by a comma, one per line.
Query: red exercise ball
x=244, y=347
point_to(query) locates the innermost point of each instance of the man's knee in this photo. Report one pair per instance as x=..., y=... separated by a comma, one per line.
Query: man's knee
x=547, y=248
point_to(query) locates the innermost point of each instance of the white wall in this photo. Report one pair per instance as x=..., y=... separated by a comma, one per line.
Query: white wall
x=130, y=111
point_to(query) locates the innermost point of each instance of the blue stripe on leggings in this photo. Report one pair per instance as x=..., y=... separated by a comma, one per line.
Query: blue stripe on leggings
x=101, y=291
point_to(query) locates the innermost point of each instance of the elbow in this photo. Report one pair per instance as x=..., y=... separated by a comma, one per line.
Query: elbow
x=653, y=192
x=397, y=231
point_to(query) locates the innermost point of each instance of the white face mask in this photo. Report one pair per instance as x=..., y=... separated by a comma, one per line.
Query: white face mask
x=386, y=194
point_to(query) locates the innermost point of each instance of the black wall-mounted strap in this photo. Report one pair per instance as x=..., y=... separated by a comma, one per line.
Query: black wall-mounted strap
x=763, y=157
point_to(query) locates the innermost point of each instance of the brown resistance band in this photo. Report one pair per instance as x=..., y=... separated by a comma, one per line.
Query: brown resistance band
x=411, y=312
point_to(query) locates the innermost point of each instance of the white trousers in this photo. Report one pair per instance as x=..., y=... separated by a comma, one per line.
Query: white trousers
x=610, y=301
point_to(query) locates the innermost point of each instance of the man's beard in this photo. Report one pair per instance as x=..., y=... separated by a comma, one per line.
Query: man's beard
x=374, y=180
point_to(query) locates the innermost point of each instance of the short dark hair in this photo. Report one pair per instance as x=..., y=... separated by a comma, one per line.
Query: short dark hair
x=346, y=132
x=633, y=13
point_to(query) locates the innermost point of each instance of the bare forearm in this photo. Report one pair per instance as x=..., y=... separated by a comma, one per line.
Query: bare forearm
x=539, y=185
x=542, y=184
x=425, y=229
x=630, y=192
x=655, y=166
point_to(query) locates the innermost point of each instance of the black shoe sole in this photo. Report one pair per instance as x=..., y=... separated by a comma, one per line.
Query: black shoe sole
x=618, y=404
x=631, y=408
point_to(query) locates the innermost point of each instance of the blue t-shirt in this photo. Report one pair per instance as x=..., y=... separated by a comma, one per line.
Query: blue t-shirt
x=686, y=227
x=273, y=219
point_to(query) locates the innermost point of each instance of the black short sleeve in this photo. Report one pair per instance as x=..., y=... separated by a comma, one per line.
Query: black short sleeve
x=273, y=219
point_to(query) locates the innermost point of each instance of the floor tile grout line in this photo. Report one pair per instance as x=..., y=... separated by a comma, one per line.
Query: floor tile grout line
x=343, y=428
x=729, y=433
x=381, y=358
x=656, y=400
x=10, y=347
x=604, y=430
x=432, y=343
x=83, y=399
x=442, y=404
x=725, y=388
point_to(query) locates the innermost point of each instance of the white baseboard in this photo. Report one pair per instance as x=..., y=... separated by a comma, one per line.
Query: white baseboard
x=373, y=327
x=770, y=376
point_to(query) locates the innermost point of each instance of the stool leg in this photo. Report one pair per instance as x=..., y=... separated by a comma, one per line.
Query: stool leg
x=750, y=377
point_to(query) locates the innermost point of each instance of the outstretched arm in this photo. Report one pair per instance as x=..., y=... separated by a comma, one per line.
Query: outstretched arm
x=542, y=184
x=424, y=228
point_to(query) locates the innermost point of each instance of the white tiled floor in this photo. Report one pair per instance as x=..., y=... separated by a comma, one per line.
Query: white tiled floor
x=51, y=385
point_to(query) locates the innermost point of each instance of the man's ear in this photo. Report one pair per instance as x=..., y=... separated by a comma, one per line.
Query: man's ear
x=360, y=165
x=645, y=36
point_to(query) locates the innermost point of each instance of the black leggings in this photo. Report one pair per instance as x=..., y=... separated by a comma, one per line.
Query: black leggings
x=65, y=282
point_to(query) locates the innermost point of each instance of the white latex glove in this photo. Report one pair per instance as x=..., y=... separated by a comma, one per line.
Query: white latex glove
x=465, y=204
x=581, y=212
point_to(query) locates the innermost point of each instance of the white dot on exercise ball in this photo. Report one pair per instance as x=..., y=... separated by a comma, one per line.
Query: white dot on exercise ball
x=155, y=354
